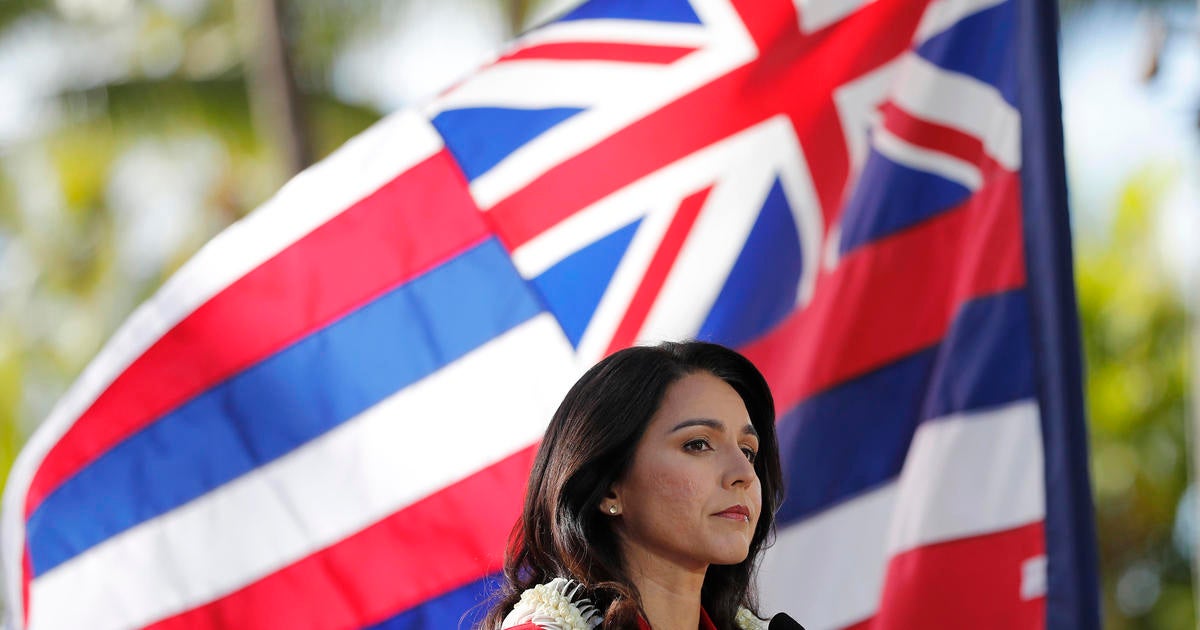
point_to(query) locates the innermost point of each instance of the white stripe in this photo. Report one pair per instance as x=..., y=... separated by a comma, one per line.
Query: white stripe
x=827, y=571
x=815, y=15
x=796, y=179
x=965, y=475
x=901, y=151
x=573, y=234
x=729, y=46
x=358, y=168
x=626, y=279
x=754, y=158
x=970, y=474
x=1033, y=578
x=617, y=32
x=831, y=251
x=373, y=465
x=943, y=14
x=664, y=188
x=962, y=102
x=707, y=256
x=857, y=105
x=538, y=83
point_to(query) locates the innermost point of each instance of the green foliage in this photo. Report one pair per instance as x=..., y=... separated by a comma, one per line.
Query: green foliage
x=1135, y=331
x=181, y=103
x=10, y=397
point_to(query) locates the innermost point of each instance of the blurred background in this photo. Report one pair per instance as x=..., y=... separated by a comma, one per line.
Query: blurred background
x=132, y=131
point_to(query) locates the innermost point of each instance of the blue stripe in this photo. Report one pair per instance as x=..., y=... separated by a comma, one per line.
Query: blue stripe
x=981, y=46
x=855, y=436
x=761, y=289
x=284, y=401
x=984, y=360
x=573, y=288
x=479, y=137
x=658, y=11
x=1073, y=585
x=850, y=438
x=463, y=607
x=890, y=197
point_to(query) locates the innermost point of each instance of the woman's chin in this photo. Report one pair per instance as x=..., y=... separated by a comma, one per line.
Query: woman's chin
x=734, y=554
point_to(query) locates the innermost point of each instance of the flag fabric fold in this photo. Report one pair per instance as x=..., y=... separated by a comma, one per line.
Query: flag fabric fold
x=327, y=417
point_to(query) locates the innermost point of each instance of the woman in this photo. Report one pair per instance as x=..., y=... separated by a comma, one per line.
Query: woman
x=651, y=496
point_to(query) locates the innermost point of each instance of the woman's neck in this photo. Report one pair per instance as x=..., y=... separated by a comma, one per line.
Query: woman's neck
x=670, y=593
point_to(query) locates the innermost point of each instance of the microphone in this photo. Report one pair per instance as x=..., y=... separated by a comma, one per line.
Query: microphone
x=784, y=622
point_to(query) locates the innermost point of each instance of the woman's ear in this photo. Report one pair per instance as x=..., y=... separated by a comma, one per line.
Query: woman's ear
x=611, y=505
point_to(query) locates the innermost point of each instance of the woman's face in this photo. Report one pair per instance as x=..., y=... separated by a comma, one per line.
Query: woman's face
x=691, y=495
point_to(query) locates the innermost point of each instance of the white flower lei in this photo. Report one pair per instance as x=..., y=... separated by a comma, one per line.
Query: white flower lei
x=560, y=605
x=555, y=605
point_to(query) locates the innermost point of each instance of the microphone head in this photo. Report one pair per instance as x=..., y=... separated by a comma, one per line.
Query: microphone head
x=783, y=622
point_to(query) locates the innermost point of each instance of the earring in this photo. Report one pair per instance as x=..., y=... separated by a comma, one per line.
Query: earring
x=612, y=509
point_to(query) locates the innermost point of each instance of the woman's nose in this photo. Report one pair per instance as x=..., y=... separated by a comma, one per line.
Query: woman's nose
x=739, y=469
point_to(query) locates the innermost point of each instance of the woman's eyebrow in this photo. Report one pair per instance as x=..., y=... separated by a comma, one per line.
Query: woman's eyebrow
x=699, y=422
x=716, y=425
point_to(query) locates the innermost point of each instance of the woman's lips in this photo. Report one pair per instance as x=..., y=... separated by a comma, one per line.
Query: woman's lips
x=736, y=513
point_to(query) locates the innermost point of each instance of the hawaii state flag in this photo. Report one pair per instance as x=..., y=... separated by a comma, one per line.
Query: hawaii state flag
x=326, y=419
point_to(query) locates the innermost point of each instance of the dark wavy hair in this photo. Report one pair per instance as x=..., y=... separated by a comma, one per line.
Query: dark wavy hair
x=589, y=445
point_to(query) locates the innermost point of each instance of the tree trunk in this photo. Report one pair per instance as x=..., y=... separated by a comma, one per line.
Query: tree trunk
x=274, y=98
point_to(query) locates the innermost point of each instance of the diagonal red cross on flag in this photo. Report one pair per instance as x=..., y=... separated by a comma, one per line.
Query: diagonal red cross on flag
x=794, y=74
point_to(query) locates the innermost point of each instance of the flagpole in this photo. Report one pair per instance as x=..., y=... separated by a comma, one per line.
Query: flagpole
x=1072, y=574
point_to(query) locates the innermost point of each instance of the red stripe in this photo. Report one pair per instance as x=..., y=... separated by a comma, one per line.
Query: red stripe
x=970, y=583
x=897, y=295
x=601, y=51
x=657, y=271
x=937, y=137
x=411, y=224
x=420, y=552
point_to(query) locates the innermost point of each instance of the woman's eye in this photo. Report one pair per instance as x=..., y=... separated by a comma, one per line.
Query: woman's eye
x=697, y=445
x=751, y=454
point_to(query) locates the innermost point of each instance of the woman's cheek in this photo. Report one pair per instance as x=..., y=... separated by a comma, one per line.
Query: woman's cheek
x=677, y=488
